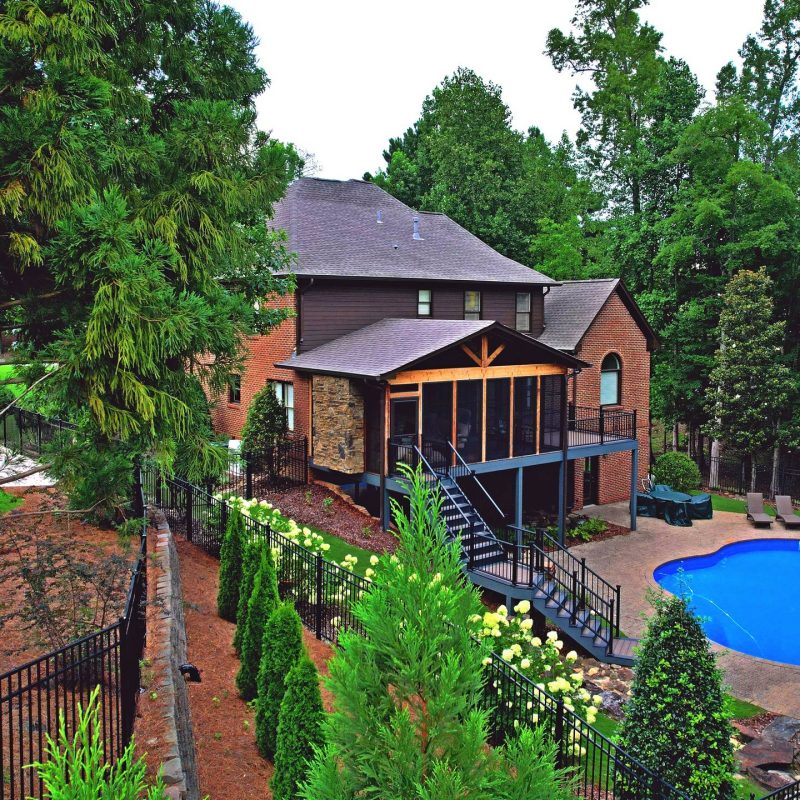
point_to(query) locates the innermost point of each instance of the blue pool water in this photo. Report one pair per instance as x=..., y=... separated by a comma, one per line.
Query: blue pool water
x=748, y=594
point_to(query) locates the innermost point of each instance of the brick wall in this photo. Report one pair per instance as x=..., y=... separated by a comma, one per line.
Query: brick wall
x=615, y=331
x=264, y=351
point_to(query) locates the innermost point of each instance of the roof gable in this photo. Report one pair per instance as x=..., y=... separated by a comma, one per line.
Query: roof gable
x=334, y=228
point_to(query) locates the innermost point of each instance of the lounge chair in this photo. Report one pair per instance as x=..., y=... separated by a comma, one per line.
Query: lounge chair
x=783, y=504
x=755, y=509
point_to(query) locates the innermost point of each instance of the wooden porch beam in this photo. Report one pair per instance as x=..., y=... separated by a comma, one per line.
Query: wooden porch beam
x=476, y=373
x=472, y=355
x=496, y=352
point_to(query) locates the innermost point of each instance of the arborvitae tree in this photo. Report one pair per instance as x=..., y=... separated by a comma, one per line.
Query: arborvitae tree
x=230, y=566
x=676, y=721
x=250, y=563
x=262, y=603
x=266, y=423
x=280, y=650
x=408, y=693
x=299, y=729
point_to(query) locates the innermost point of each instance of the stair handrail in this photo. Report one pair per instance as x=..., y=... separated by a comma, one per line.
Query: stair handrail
x=565, y=577
x=474, y=476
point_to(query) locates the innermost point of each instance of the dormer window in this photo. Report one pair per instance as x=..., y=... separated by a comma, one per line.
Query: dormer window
x=472, y=305
x=424, y=303
x=523, y=322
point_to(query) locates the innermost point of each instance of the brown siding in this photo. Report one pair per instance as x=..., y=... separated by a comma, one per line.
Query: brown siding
x=331, y=309
x=537, y=312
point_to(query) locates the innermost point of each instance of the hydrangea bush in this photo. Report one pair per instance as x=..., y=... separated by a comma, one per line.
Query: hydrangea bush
x=541, y=661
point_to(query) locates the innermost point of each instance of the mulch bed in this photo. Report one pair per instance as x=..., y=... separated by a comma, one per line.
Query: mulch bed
x=610, y=532
x=230, y=766
x=18, y=643
x=304, y=504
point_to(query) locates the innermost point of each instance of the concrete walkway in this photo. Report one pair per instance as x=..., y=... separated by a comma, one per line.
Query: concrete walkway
x=630, y=561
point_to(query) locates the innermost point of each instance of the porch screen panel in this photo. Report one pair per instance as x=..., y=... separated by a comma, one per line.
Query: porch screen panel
x=551, y=412
x=498, y=417
x=525, y=390
x=437, y=422
x=469, y=420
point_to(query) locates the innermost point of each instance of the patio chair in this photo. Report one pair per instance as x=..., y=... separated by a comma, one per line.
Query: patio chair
x=755, y=509
x=783, y=504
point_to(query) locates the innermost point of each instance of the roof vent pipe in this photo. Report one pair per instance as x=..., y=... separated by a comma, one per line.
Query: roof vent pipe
x=416, y=235
x=380, y=217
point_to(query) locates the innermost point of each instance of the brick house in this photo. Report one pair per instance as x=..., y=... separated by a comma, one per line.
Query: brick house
x=413, y=340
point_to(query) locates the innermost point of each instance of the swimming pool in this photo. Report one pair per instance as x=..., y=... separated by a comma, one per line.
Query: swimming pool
x=748, y=594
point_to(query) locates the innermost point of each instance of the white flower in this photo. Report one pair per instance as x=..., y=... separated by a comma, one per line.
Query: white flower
x=571, y=656
x=523, y=607
x=526, y=624
x=373, y=560
x=552, y=636
x=508, y=654
x=525, y=663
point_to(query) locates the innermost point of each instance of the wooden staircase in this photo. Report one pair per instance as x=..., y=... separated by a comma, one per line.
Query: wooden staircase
x=527, y=564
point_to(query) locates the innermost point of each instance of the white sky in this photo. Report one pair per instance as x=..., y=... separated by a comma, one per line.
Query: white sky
x=348, y=75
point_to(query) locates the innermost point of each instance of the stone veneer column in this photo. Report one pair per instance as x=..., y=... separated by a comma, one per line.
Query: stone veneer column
x=338, y=424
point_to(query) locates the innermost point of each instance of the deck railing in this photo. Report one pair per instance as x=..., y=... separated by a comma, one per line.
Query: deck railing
x=588, y=426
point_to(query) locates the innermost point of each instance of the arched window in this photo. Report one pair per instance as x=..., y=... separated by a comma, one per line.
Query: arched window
x=610, y=383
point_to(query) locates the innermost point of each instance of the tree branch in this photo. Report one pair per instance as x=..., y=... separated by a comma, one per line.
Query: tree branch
x=22, y=300
x=17, y=399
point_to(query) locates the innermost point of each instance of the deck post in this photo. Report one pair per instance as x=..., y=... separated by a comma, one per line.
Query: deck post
x=634, y=476
x=518, y=500
x=561, y=500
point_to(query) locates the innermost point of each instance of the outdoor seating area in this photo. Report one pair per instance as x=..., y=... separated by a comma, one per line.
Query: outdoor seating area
x=675, y=508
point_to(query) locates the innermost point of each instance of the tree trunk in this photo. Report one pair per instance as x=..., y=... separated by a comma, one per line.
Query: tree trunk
x=713, y=470
x=774, y=487
x=675, y=436
x=753, y=472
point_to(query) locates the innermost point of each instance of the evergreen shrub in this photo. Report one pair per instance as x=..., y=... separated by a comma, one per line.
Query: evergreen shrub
x=266, y=423
x=262, y=603
x=678, y=471
x=230, y=566
x=251, y=561
x=281, y=648
x=299, y=729
x=676, y=722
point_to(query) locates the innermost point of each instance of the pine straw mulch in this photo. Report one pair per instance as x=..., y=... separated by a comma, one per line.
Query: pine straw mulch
x=87, y=543
x=304, y=504
x=229, y=764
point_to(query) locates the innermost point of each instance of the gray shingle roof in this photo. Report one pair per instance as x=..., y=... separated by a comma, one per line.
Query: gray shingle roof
x=383, y=348
x=569, y=310
x=333, y=228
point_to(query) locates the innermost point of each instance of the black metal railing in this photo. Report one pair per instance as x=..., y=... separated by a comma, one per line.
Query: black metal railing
x=283, y=465
x=588, y=426
x=27, y=432
x=735, y=476
x=33, y=695
x=790, y=792
x=325, y=593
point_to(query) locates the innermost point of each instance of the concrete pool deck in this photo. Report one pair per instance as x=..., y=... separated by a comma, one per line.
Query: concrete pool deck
x=630, y=560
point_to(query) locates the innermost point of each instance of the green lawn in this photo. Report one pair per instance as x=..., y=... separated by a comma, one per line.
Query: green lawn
x=7, y=371
x=7, y=501
x=722, y=503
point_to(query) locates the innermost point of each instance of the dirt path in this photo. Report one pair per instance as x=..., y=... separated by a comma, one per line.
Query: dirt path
x=224, y=727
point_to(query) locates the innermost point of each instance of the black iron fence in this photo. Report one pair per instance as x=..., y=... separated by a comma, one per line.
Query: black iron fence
x=27, y=432
x=734, y=475
x=282, y=466
x=325, y=593
x=33, y=695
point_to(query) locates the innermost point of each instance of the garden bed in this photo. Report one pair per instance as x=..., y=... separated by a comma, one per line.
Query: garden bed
x=230, y=766
x=41, y=539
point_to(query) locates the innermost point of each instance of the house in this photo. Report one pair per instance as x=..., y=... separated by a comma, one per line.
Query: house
x=412, y=340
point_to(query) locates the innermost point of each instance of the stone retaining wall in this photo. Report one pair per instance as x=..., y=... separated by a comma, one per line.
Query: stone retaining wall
x=180, y=761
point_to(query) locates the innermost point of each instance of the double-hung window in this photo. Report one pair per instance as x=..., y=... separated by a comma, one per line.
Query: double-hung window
x=472, y=305
x=235, y=389
x=424, y=303
x=523, y=322
x=284, y=391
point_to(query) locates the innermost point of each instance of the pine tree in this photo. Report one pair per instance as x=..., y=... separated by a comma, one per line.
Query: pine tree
x=230, y=566
x=262, y=603
x=299, y=729
x=281, y=648
x=676, y=722
x=250, y=564
x=408, y=693
x=266, y=423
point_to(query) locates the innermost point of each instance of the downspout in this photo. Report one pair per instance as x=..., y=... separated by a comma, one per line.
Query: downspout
x=562, y=490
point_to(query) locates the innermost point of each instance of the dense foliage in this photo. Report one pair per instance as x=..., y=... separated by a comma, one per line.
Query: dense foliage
x=262, y=603
x=74, y=766
x=134, y=203
x=676, y=470
x=281, y=649
x=231, y=557
x=407, y=693
x=669, y=190
x=676, y=721
x=266, y=423
x=299, y=729
x=251, y=561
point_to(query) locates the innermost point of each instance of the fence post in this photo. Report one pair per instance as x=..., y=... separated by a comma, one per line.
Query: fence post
x=158, y=487
x=189, y=496
x=248, y=480
x=515, y=564
x=583, y=583
x=138, y=505
x=38, y=434
x=602, y=425
x=559, y=735
x=573, y=614
x=318, y=607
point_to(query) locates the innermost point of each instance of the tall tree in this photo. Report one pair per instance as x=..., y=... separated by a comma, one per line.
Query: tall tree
x=751, y=388
x=134, y=198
